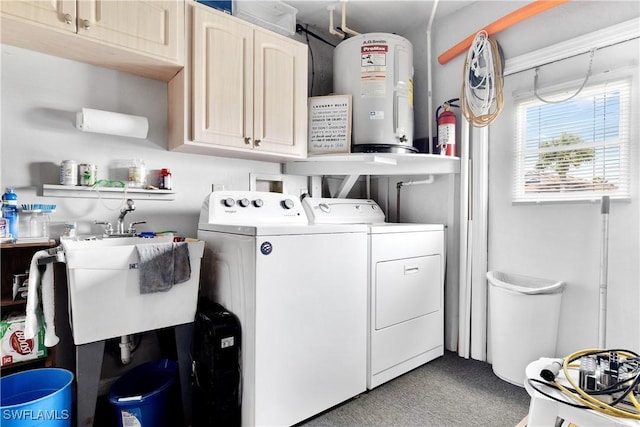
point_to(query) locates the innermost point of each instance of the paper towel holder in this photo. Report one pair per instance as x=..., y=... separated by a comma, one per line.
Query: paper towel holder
x=111, y=123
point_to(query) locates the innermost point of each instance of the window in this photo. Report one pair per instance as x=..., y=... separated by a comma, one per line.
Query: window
x=573, y=150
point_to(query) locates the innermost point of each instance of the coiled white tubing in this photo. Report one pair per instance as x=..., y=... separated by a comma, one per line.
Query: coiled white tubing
x=484, y=91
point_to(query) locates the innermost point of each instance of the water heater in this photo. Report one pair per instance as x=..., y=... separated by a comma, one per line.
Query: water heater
x=377, y=70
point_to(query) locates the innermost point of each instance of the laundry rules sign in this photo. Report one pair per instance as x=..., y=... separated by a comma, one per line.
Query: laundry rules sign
x=330, y=124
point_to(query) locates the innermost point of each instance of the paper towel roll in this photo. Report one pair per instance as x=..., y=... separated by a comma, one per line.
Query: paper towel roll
x=99, y=121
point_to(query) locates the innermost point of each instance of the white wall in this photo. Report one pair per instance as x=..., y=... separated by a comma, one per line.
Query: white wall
x=556, y=241
x=563, y=241
x=40, y=95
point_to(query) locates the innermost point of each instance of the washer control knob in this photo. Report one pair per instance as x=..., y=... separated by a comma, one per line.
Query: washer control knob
x=228, y=202
x=287, y=204
x=244, y=202
x=258, y=203
x=324, y=207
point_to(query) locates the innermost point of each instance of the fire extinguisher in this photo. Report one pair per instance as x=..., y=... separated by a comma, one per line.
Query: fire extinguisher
x=447, y=128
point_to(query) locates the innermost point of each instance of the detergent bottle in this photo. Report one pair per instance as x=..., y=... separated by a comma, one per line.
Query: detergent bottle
x=10, y=212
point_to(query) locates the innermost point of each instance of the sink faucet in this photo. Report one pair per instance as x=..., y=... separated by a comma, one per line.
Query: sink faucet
x=108, y=228
x=119, y=229
x=129, y=208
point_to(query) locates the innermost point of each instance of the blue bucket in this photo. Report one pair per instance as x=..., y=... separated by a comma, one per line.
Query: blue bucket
x=37, y=397
x=142, y=394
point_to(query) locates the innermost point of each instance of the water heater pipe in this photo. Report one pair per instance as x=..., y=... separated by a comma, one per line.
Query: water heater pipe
x=344, y=20
x=429, y=80
x=401, y=184
x=331, y=29
x=503, y=23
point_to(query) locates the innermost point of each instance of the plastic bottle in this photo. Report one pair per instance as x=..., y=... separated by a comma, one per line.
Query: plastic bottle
x=34, y=225
x=137, y=174
x=165, y=179
x=69, y=230
x=10, y=211
x=46, y=225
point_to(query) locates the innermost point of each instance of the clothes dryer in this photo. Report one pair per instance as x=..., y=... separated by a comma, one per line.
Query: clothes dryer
x=405, y=327
x=300, y=293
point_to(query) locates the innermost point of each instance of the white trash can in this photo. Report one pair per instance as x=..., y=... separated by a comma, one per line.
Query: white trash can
x=524, y=314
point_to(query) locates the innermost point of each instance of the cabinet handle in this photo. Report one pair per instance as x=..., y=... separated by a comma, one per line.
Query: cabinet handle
x=86, y=24
x=68, y=18
x=258, y=143
x=247, y=140
x=411, y=270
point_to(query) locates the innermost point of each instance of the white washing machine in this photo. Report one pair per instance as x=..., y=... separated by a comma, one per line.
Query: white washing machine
x=300, y=293
x=406, y=264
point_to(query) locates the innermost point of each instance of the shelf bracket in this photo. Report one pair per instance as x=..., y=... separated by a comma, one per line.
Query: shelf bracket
x=347, y=184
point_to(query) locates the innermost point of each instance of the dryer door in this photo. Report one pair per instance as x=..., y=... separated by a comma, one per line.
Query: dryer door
x=406, y=289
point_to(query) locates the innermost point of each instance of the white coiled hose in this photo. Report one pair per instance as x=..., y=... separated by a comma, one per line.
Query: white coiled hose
x=481, y=100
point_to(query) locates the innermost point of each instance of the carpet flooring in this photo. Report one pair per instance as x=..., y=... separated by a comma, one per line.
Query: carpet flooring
x=449, y=391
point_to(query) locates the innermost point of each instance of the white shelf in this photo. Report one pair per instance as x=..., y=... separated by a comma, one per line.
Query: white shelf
x=374, y=164
x=51, y=190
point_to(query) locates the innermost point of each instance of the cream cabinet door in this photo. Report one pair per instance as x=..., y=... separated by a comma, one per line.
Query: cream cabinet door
x=243, y=92
x=150, y=26
x=59, y=14
x=280, y=94
x=222, y=80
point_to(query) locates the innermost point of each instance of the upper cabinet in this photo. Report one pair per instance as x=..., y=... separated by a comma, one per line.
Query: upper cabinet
x=242, y=93
x=150, y=27
x=140, y=37
x=55, y=14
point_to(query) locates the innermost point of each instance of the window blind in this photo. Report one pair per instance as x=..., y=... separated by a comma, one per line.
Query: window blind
x=574, y=150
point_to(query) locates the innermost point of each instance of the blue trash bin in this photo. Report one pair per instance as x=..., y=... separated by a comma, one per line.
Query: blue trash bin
x=36, y=398
x=142, y=394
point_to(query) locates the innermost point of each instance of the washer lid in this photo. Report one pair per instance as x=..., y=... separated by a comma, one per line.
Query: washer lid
x=342, y=211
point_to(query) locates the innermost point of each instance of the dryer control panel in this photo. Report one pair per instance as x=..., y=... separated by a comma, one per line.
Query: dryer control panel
x=342, y=211
x=251, y=207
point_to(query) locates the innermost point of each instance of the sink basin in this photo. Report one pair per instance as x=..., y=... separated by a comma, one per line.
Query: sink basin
x=104, y=289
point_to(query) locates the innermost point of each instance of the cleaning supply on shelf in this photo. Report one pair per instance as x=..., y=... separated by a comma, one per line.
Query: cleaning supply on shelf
x=87, y=173
x=137, y=174
x=69, y=230
x=4, y=230
x=69, y=172
x=40, y=220
x=35, y=229
x=164, y=182
x=10, y=212
x=40, y=207
x=14, y=346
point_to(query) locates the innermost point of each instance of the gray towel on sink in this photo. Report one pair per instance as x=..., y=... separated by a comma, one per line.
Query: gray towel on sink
x=181, y=263
x=163, y=265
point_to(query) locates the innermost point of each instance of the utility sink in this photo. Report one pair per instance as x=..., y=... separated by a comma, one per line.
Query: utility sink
x=104, y=289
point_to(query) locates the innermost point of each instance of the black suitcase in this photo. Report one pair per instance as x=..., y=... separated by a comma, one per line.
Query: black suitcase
x=217, y=378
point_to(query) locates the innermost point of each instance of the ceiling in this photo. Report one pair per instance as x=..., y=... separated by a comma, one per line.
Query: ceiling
x=368, y=16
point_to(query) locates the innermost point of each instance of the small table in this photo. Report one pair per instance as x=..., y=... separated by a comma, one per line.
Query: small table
x=544, y=411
